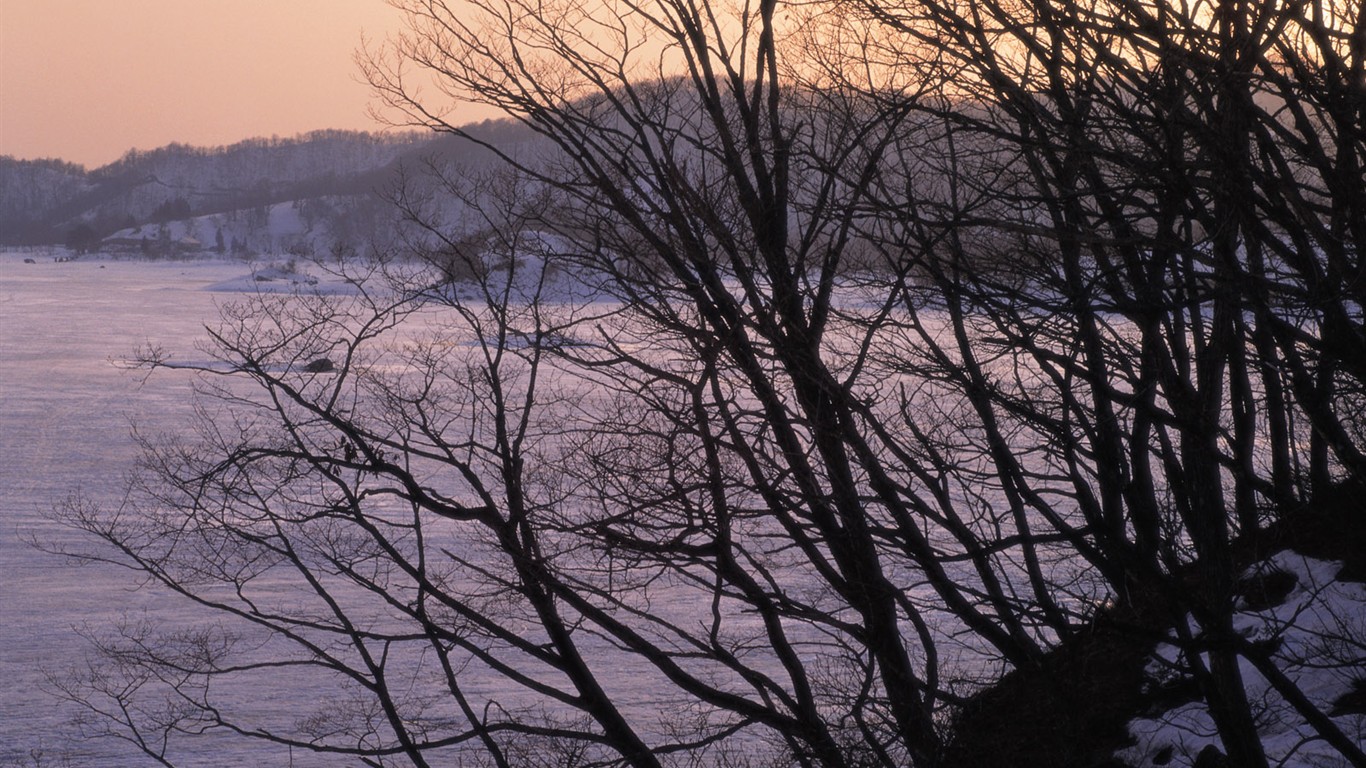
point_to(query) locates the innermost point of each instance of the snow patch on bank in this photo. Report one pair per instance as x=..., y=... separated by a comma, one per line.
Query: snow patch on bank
x=284, y=277
x=1319, y=632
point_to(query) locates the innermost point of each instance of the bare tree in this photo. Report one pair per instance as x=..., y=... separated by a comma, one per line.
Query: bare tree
x=805, y=368
x=1154, y=168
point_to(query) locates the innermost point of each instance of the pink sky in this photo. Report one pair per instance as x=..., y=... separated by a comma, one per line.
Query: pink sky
x=87, y=80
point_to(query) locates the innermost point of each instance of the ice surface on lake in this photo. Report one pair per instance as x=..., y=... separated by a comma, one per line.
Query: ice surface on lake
x=68, y=407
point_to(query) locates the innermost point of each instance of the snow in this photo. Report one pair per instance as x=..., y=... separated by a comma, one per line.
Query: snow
x=69, y=404
x=282, y=277
x=65, y=426
x=277, y=227
x=1310, y=625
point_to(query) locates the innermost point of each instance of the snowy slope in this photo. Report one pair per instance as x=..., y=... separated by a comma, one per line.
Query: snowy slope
x=1320, y=629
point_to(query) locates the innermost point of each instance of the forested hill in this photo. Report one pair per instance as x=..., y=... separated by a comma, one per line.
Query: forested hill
x=45, y=201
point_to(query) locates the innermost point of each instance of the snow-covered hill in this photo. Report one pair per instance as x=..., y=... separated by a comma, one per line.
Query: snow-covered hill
x=312, y=192
x=327, y=173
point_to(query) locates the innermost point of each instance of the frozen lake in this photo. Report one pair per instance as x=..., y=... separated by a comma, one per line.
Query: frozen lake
x=69, y=405
x=68, y=408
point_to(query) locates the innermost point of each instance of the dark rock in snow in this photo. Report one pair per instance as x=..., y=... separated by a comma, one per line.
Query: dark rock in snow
x=1265, y=589
x=320, y=365
x=1211, y=757
x=1352, y=702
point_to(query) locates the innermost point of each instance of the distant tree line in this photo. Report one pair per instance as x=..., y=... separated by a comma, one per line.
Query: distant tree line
x=43, y=201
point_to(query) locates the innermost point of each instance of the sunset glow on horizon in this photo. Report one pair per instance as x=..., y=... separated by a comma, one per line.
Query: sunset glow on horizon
x=87, y=80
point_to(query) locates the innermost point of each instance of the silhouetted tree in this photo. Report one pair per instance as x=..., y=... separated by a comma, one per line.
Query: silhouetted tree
x=807, y=367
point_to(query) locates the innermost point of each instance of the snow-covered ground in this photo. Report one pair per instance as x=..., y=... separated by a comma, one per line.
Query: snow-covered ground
x=68, y=407
x=271, y=228
x=69, y=404
x=1320, y=627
